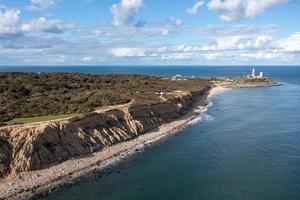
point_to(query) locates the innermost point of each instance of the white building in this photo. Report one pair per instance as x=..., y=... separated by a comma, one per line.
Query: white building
x=253, y=74
x=178, y=77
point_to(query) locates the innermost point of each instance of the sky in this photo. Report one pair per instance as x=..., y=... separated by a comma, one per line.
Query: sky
x=149, y=32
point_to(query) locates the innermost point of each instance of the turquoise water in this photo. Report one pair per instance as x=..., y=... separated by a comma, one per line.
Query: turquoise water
x=247, y=147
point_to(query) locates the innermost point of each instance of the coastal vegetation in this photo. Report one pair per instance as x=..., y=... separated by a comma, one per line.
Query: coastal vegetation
x=32, y=97
x=264, y=80
x=25, y=120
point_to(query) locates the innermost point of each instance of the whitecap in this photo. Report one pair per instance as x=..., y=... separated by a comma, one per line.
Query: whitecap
x=204, y=117
x=196, y=120
x=207, y=118
x=210, y=104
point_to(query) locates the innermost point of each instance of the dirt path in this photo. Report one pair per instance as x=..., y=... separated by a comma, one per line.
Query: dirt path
x=119, y=106
x=98, y=110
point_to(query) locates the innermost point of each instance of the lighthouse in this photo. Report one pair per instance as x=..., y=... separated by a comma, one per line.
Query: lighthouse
x=253, y=73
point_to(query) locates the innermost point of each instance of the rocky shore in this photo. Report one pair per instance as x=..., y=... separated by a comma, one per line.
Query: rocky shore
x=94, y=146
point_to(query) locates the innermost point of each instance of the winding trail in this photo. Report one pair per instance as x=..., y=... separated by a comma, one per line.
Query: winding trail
x=98, y=110
x=119, y=106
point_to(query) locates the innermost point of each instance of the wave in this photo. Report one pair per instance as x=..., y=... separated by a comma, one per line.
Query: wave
x=210, y=104
x=204, y=117
x=207, y=118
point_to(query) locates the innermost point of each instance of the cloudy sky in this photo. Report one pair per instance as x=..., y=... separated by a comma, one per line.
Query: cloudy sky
x=149, y=32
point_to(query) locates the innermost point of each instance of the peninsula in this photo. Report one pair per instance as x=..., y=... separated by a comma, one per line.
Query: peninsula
x=59, y=126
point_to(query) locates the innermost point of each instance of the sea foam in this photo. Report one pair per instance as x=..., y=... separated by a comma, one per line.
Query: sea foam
x=203, y=117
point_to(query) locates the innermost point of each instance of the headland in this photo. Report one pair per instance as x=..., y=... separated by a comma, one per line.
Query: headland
x=39, y=156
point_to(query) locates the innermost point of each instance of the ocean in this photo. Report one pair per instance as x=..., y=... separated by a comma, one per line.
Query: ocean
x=246, y=147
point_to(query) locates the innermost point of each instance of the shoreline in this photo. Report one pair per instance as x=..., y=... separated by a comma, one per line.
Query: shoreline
x=27, y=185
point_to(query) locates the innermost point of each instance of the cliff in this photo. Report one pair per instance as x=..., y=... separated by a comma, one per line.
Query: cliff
x=37, y=146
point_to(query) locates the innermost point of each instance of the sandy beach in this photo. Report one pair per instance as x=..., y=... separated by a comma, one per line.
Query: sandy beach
x=40, y=182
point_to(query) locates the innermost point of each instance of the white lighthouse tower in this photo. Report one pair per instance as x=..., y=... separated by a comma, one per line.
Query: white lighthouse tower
x=253, y=73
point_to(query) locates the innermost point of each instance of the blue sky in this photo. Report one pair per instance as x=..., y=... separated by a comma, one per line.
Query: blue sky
x=149, y=32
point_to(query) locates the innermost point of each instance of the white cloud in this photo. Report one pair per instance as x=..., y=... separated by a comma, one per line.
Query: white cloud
x=232, y=10
x=238, y=49
x=9, y=21
x=226, y=43
x=161, y=49
x=256, y=43
x=11, y=24
x=211, y=56
x=194, y=10
x=184, y=48
x=238, y=43
x=165, y=32
x=249, y=56
x=290, y=44
x=87, y=59
x=156, y=42
x=124, y=12
x=149, y=30
x=264, y=55
x=59, y=59
x=176, y=56
x=44, y=25
x=127, y=52
x=40, y=5
x=175, y=21
x=268, y=55
x=237, y=30
x=223, y=44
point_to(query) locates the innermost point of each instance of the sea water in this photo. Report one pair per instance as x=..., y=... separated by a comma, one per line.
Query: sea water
x=246, y=147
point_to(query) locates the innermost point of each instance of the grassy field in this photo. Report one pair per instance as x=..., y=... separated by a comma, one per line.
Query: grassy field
x=38, y=119
x=252, y=80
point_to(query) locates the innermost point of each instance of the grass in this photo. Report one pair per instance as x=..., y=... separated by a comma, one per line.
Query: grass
x=26, y=120
x=252, y=80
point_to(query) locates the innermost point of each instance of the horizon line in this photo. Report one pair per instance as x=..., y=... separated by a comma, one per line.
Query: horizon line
x=152, y=65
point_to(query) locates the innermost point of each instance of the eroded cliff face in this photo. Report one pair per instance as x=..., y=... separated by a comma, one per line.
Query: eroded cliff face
x=36, y=146
x=5, y=156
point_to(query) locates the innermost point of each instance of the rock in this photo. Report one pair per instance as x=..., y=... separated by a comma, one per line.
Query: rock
x=5, y=157
x=37, y=146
